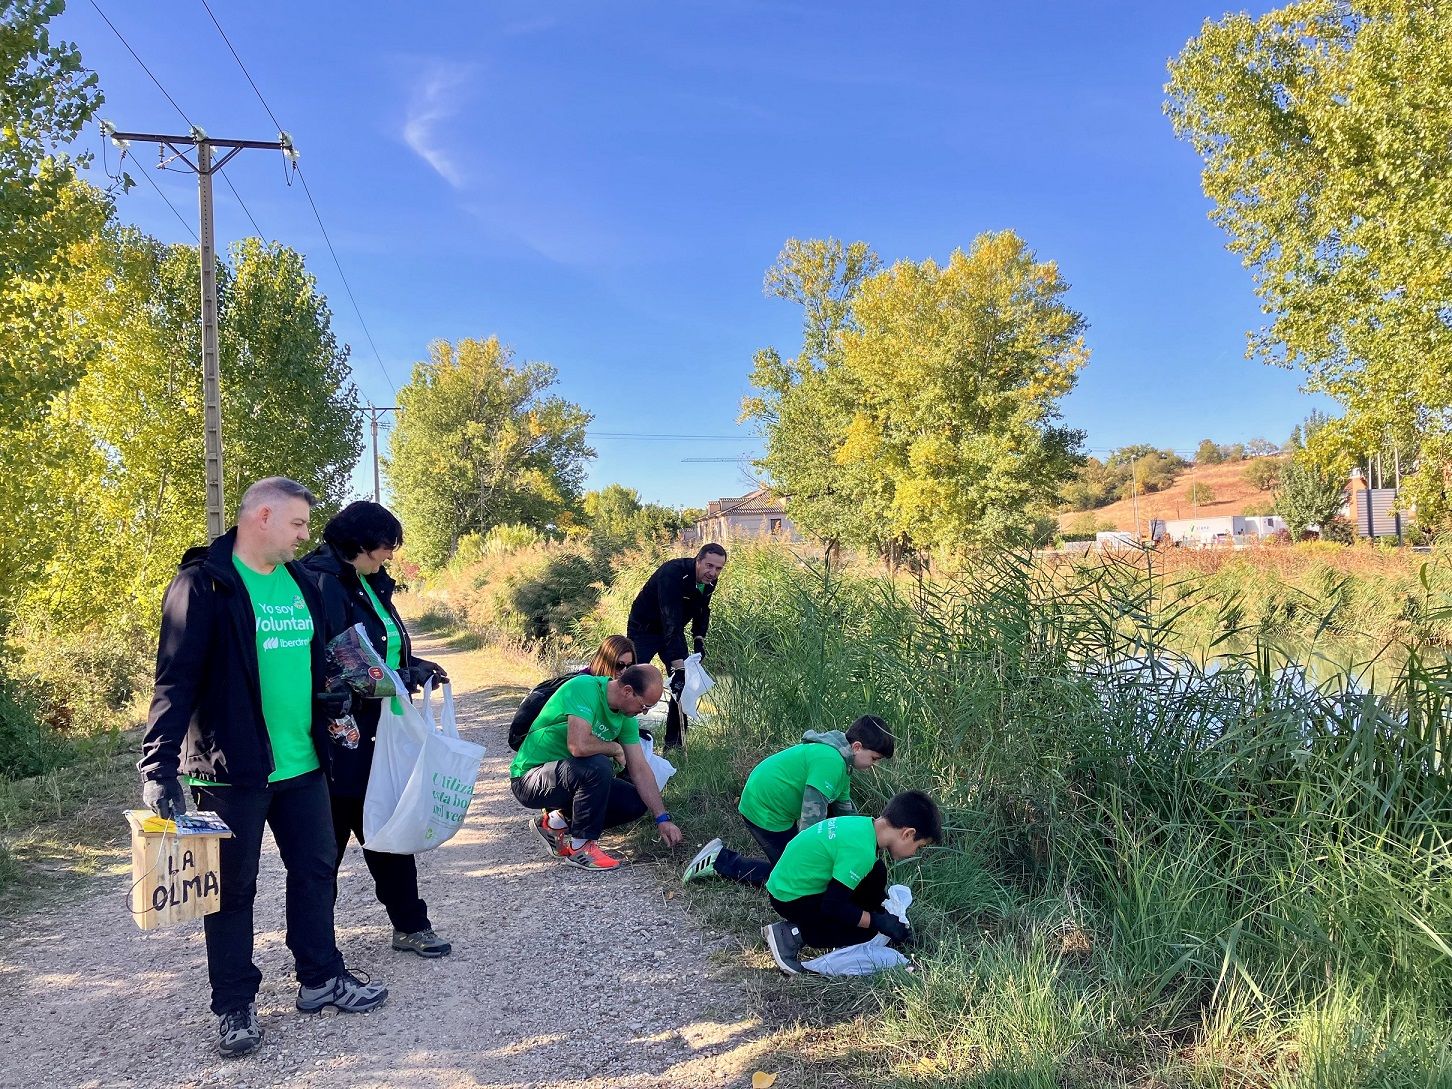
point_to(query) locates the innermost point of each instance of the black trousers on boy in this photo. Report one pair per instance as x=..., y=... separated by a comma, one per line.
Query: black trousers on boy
x=754, y=871
x=395, y=877
x=585, y=789
x=301, y=820
x=829, y=919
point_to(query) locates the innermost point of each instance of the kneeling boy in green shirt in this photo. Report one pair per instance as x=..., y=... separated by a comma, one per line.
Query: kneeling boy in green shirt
x=791, y=791
x=829, y=884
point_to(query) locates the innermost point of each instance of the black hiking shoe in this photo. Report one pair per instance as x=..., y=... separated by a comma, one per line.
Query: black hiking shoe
x=345, y=992
x=784, y=942
x=423, y=942
x=238, y=1031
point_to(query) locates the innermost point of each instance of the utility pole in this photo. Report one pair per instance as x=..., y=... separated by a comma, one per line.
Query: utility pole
x=204, y=167
x=375, y=412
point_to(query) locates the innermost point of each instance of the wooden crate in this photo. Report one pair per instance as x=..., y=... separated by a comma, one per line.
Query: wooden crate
x=173, y=878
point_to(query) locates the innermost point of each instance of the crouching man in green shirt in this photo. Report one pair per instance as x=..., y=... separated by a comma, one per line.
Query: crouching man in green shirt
x=830, y=884
x=793, y=790
x=566, y=765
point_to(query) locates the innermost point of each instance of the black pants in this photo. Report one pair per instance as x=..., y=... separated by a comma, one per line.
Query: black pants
x=301, y=820
x=648, y=646
x=395, y=877
x=754, y=871
x=585, y=790
x=822, y=929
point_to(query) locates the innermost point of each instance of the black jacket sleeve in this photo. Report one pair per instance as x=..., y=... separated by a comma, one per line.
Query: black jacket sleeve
x=838, y=905
x=337, y=611
x=672, y=614
x=187, y=613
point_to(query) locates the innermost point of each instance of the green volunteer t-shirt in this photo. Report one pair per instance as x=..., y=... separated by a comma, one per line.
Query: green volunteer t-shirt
x=772, y=796
x=582, y=697
x=392, y=637
x=844, y=848
x=284, y=668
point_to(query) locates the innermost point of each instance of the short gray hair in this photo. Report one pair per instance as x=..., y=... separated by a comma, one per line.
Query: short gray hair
x=271, y=490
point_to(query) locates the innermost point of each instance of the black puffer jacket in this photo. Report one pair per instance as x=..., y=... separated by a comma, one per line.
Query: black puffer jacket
x=206, y=708
x=346, y=603
x=668, y=602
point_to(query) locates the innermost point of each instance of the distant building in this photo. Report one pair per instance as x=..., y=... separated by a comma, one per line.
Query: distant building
x=1225, y=531
x=1373, y=511
x=757, y=514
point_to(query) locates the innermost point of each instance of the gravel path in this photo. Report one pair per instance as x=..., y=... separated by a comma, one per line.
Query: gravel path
x=559, y=979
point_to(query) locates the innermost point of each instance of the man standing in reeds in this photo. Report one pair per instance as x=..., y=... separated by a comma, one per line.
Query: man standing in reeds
x=679, y=593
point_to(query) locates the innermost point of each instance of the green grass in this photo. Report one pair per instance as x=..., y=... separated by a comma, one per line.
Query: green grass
x=1157, y=874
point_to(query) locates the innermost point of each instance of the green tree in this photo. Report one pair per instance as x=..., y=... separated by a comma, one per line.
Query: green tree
x=805, y=403
x=1201, y=492
x=131, y=430
x=616, y=518
x=1208, y=453
x=1308, y=495
x=478, y=445
x=46, y=97
x=1323, y=129
x=1262, y=473
x=959, y=371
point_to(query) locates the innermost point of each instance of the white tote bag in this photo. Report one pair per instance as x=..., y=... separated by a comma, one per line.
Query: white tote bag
x=698, y=683
x=422, y=777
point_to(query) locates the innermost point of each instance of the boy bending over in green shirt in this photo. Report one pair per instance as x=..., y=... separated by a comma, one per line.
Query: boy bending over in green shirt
x=829, y=884
x=791, y=791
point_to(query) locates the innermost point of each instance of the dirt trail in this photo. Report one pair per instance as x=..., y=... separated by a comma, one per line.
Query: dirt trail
x=559, y=979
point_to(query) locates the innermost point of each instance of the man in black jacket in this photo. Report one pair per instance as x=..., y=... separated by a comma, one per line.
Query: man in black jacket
x=236, y=711
x=679, y=593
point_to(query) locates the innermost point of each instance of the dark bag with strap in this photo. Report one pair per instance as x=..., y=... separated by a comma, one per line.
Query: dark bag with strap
x=531, y=707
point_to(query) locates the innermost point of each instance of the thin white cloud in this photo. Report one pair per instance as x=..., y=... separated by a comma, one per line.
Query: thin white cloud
x=437, y=99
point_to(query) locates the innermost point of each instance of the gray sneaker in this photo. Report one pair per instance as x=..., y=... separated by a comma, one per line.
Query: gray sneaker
x=345, y=992
x=784, y=942
x=238, y=1031
x=423, y=942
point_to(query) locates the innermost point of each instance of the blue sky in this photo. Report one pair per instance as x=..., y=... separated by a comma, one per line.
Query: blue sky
x=604, y=185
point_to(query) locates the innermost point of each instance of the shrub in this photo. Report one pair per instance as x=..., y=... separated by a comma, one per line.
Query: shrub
x=27, y=746
x=84, y=682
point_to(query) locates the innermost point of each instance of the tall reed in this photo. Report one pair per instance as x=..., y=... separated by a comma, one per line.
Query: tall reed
x=1201, y=865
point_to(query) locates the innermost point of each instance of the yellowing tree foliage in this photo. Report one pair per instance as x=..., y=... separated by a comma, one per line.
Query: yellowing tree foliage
x=923, y=411
x=1326, y=132
x=477, y=446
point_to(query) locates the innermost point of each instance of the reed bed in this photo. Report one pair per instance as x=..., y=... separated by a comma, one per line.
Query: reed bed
x=1174, y=859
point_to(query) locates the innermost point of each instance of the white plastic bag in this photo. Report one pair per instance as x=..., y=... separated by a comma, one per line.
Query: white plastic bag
x=698, y=683
x=660, y=767
x=422, y=777
x=872, y=955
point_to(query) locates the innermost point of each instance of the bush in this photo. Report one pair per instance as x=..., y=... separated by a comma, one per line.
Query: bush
x=27, y=747
x=530, y=594
x=84, y=682
x=1338, y=529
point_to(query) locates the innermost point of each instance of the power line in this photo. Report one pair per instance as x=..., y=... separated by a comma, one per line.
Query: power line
x=181, y=113
x=180, y=219
x=347, y=287
x=242, y=66
x=141, y=62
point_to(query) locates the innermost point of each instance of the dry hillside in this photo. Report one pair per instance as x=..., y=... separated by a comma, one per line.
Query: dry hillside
x=1232, y=494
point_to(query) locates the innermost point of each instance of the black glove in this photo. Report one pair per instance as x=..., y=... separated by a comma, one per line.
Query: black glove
x=424, y=669
x=678, y=682
x=886, y=923
x=335, y=702
x=164, y=797
x=700, y=646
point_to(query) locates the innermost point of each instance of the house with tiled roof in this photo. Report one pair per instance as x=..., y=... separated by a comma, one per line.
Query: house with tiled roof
x=758, y=513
